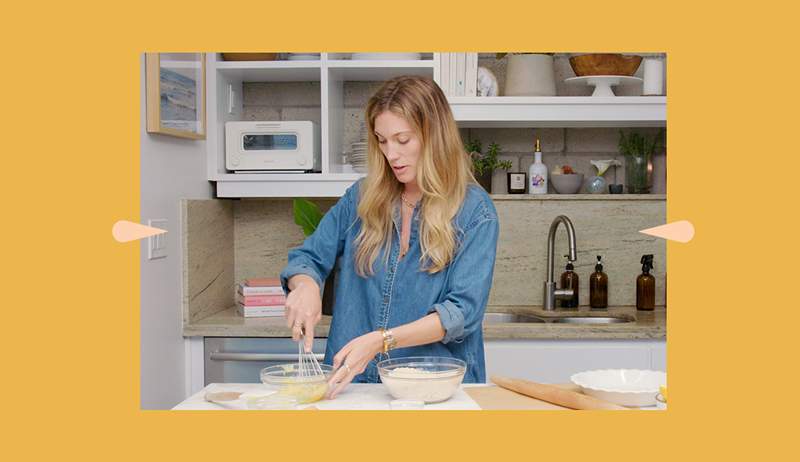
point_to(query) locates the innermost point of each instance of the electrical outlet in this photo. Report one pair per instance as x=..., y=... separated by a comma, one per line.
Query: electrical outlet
x=157, y=245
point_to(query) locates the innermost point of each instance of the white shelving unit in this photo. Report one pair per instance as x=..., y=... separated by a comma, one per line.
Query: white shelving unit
x=560, y=111
x=224, y=103
x=225, y=81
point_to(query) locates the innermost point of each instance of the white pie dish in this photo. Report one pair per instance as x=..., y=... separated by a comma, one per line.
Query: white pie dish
x=626, y=387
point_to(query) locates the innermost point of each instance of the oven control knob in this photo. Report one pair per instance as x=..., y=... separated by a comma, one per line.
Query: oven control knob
x=235, y=161
x=301, y=161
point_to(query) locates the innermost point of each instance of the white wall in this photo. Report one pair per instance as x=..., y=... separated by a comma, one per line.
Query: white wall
x=171, y=169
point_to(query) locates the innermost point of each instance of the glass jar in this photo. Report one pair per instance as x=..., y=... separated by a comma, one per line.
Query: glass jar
x=638, y=174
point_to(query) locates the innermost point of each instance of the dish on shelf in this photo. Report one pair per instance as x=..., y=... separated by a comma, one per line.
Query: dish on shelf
x=385, y=56
x=303, y=57
x=602, y=83
x=604, y=64
x=566, y=183
x=626, y=387
x=357, y=157
x=487, y=83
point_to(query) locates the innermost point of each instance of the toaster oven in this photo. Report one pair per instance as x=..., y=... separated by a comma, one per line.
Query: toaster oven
x=280, y=146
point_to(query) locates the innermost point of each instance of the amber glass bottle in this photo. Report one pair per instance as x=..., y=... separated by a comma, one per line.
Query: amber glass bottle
x=569, y=280
x=598, y=286
x=646, y=286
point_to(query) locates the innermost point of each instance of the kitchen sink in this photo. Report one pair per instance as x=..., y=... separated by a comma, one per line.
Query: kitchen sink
x=513, y=318
x=590, y=320
x=498, y=318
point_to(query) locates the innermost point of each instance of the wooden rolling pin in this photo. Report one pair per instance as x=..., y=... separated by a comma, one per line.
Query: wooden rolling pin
x=556, y=395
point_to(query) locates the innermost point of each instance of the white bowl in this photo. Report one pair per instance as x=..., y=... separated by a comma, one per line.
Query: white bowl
x=626, y=387
x=567, y=183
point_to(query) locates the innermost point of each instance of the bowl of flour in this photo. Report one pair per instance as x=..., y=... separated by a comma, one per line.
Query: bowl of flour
x=422, y=378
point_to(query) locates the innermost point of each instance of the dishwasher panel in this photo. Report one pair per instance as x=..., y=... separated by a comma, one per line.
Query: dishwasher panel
x=240, y=359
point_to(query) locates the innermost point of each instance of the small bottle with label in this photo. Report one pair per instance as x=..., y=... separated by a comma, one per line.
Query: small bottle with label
x=516, y=182
x=646, y=286
x=537, y=173
x=570, y=280
x=598, y=287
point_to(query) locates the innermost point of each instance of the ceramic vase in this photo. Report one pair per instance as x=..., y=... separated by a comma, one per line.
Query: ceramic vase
x=530, y=75
x=485, y=180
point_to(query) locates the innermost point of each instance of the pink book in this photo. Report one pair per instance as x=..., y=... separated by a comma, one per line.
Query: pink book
x=248, y=290
x=261, y=300
x=263, y=282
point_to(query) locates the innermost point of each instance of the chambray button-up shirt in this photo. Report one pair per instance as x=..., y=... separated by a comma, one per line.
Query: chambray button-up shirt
x=400, y=292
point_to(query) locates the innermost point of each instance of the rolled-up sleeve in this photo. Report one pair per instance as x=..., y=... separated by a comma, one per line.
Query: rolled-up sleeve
x=319, y=251
x=469, y=281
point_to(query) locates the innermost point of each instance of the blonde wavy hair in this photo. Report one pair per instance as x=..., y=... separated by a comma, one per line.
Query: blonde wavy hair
x=444, y=170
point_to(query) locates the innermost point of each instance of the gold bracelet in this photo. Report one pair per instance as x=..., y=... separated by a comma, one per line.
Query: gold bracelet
x=389, y=342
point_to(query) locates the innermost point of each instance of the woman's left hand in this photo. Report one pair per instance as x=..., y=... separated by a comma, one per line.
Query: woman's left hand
x=352, y=360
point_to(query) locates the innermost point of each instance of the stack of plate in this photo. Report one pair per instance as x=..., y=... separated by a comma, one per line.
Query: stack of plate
x=386, y=56
x=303, y=57
x=358, y=151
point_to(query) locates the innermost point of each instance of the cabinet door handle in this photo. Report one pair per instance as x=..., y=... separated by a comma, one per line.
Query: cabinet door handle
x=223, y=356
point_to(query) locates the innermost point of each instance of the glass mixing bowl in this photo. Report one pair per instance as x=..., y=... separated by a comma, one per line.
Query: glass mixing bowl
x=422, y=378
x=289, y=382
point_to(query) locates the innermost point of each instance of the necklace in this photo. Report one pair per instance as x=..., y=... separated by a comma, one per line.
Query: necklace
x=408, y=203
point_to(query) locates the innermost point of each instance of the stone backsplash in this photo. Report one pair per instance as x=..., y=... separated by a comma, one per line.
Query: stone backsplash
x=261, y=231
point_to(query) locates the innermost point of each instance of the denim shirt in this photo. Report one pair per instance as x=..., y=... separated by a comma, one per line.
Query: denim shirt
x=400, y=292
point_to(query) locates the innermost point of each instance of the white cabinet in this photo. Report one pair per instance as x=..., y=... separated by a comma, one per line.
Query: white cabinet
x=658, y=359
x=554, y=361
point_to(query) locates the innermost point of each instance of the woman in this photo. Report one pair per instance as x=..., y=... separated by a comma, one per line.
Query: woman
x=415, y=243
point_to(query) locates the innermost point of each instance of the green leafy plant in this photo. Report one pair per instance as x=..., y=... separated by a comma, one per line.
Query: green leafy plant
x=636, y=144
x=485, y=163
x=638, y=150
x=307, y=215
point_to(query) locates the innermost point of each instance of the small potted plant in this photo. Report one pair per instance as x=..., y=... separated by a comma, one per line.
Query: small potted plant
x=529, y=74
x=484, y=165
x=638, y=150
x=307, y=215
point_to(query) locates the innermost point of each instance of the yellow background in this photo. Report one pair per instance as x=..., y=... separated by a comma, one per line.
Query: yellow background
x=70, y=144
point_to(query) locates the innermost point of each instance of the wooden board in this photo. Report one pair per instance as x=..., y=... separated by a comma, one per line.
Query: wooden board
x=494, y=398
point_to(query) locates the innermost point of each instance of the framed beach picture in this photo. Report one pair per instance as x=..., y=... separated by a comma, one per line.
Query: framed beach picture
x=176, y=94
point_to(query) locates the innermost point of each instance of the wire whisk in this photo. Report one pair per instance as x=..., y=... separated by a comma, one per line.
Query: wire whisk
x=307, y=364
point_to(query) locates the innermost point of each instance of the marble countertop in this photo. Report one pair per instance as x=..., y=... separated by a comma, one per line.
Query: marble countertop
x=375, y=396
x=647, y=325
x=356, y=396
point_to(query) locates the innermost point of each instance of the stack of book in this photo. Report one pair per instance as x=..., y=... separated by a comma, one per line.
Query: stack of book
x=260, y=297
x=458, y=74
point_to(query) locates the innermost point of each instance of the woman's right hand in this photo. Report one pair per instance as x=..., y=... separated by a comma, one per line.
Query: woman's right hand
x=303, y=308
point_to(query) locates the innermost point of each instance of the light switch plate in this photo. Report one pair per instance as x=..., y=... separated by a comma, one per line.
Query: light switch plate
x=157, y=245
x=231, y=99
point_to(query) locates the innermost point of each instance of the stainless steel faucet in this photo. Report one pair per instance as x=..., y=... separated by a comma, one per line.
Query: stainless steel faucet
x=551, y=293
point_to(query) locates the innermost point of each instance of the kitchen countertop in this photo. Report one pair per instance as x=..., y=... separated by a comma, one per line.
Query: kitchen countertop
x=648, y=325
x=357, y=396
x=375, y=396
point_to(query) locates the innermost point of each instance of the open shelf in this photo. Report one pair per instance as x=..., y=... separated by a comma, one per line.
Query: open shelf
x=270, y=71
x=559, y=111
x=224, y=103
x=378, y=70
x=579, y=197
x=285, y=184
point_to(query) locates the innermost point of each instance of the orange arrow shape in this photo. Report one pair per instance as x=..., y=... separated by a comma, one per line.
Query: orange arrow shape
x=678, y=231
x=126, y=231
